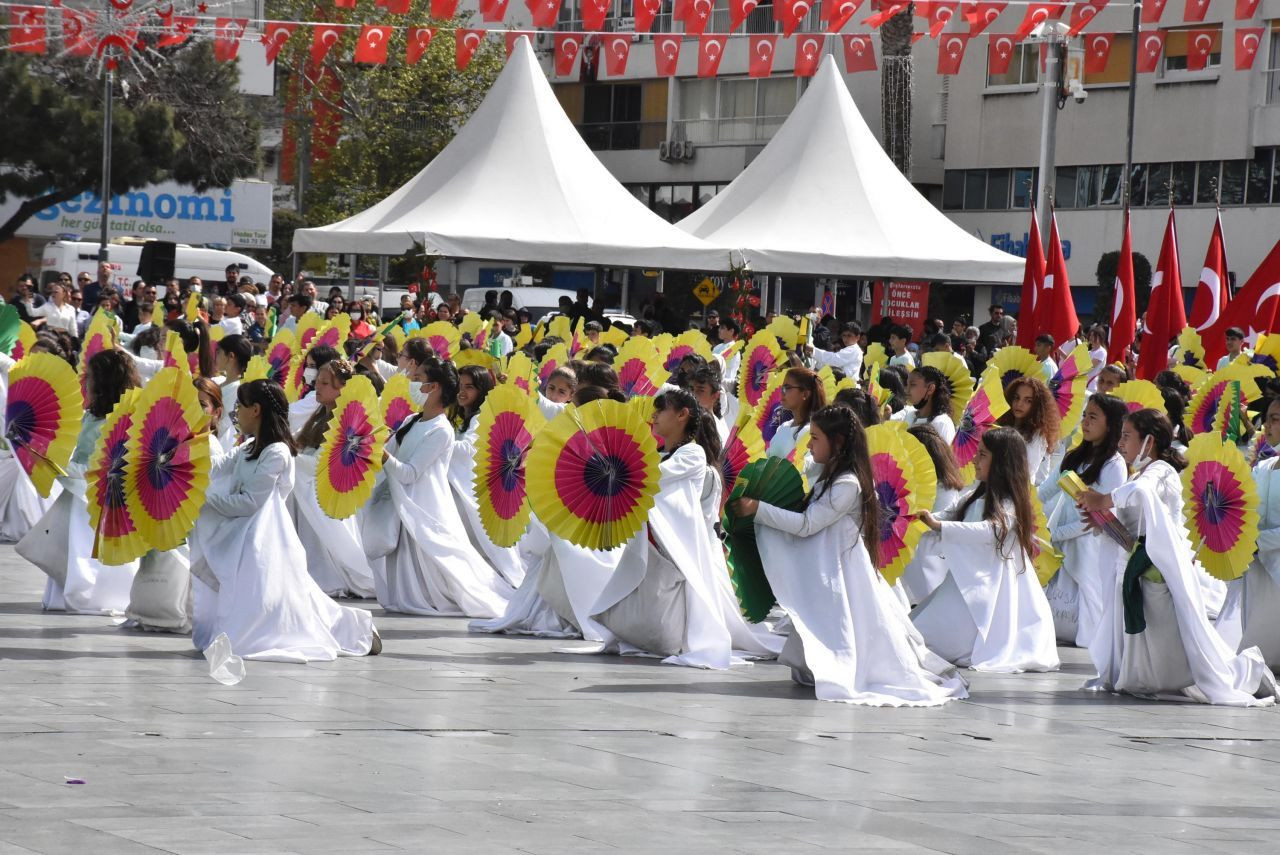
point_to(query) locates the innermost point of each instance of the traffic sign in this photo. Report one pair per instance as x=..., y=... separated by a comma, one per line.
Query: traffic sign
x=706, y=291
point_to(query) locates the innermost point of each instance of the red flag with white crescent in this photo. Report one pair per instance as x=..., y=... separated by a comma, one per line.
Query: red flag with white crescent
x=443, y=10
x=323, y=38
x=1195, y=11
x=666, y=54
x=646, y=11
x=493, y=11
x=1199, y=46
x=999, y=55
x=791, y=14
x=274, y=36
x=837, y=13
x=1038, y=13
x=1085, y=11
x=981, y=15
x=808, y=53
x=543, y=13
x=859, y=53
x=466, y=43
x=887, y=11
x=1124, y=312
x=28, y=32
x=417, y=40
x=1166, y=314
x=77, y=31
x=698, y=17
x=1150, y=46
x=710, y=52
x=739, y=10
x=1246, y=9
x=371, y=47
x=511, y=37
x=1213, y=294
x=938, y=12
x=594, y=12
x=178, y=29
x=951, y=52
x=1152, y=10
x=1254, y=307
x=1056, y=309
x=616, y=48
x=1097, y=51
x=1032, y=283
x=1247, y=41
x=567, y=47
x=227, y=33
x=760, y=51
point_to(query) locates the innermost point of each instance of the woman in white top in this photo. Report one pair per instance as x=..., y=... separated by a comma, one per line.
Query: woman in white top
x=989, y=613
x=851, y=639
x=249, y=568
x=230, y=360
x=930, y=397
x=926, y=570
x=802, y=395
x=1154, y=639
x=1034, y=415
x=422, y=561
x=58, y=313
x=1077, y=591
x=1099, y=337
x=302, y=409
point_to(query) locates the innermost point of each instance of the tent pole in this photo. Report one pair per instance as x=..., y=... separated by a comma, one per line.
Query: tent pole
x=626, y=288
x=777, y=297
x=383, y=264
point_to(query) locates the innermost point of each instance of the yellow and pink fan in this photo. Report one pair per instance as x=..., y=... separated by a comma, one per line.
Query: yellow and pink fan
x=116, y=536
x=521, y=372
x=956, y=373
x=332, y=333
x=176, y=356
x=274, y=364
x=640, y=372
x=1012, y=362
x=396, y=404
x=26, y=338
x=769, y=413
x=506, y=425
x=1240, y=378
x=982, y=412
x=308, y=327
x=1044, y=557
x=875, y=359
x=1068, y=386
x=101, y=335
x=786, y=331
x=557, y=356
x=829, y=383
x=1191, y=349
x=663, y=343
x=42, y=416
x=350, y=454
x=744, y=445
x=905, y=482
x=476, y=356
x=1221, y=508
x=760, y=360
x=442, y=336
x=1139, y=395
x=688, y=343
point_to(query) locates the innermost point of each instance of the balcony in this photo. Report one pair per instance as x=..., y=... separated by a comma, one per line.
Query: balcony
x=757, y=129
x=623, y=136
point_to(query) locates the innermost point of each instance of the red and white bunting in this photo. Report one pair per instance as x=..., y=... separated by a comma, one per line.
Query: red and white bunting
x=543, y=13
x=1195, y=11
x=887, y=11
x=493, y=11
x=398, y=7
x=371, y=47
x=567, y=47
x=323, y=38
x=838, y=13
x=616, y=48
x=417, y=40
x=28, y=32
x=466, y=43
x=646, y=11
x=981, y=15
x=1150, y=46
x=227, y=33
x=697, y=16
x=740, y=9
x=1246, y=9
x=1152, y=10
x=77, y=33
x=1097, y=52
x=859, y=53
x=938, y=13
x=443, y=10
x=1199, y=47
x=666, y=54
x=274, y=36
x=999, y=52
x=1085, y=11
x=710, y=52
x=1248, y=40
x=808, y=54
x=951, y=52
x=1037, y=14
x=594, y=12
x=760, y=55
x=791, y=14
x=510, y=37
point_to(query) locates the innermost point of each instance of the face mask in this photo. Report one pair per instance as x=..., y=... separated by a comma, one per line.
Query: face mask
x=196, y=289
x=418, y=396
x=309, y=376
x=1142, y=461
x=355, y=316
x=148, y=353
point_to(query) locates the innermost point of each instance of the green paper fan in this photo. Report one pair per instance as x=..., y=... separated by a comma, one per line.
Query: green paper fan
x=772, y=480
x=10, y=326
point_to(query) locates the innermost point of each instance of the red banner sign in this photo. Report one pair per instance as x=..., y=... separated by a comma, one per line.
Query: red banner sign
x=906, y=302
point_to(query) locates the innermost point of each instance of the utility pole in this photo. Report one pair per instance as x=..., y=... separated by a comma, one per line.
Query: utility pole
x=1052, y=36
x=1133, y=103
x=104, y=192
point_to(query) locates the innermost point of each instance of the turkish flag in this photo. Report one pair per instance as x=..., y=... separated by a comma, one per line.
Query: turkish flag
x=616, y=48
x=710, y=52
x=27, y=30
x=511, y=36
x=697, y=16
x=645, y=11
x=1213, y=294
x=1124, y=312
x=323, y=37
x=791, y=13
x=666, y=54
x=999, y=55
x=1038, y=13
x=939, y=13
x=1253, y=309
x=1245, y=9
x=77, y=35
x=1097, y=51
x=1151, y=46
x=887, y=11
x=1032, y=282
x=543, y=13
x=417, y=40
x=859, y=53
x=1151, y=12
x=1199, y=46
x=739, y=10
x=1083, y=12
x=1166, y=314
x=594, y=12
x=837, y=13
x=1055, y=309
x=760, y=55
x=398, y=7
x=443, y=10
x=178, y=29
x=466, y=43
x=274, y=36
x=808, y=54
x=951, y=52
x=981, y=15
x=1195, y=11
x=568, y=46
x=227, y=33
x=371, y=47
x=493, y=11
x=1247, y=41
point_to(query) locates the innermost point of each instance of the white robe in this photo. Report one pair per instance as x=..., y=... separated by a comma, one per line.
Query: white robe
x=1250, y=615
x=570, y=581
x=527, y=613
x=265, y=602
x=1038, y=459
x=21, y=506
x=942, y=423
x=671, y=594
x=927, y=570
x=1179, y=654
x=850, y=638
x=335, y=552
x=786, y=438
x=301, y=410
x=462, y=460
x=227, y=425
x=433, y=569
x=990, y=612
x=1078, y=591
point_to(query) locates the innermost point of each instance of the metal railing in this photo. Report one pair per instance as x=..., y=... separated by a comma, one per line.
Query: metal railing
x=735, y=129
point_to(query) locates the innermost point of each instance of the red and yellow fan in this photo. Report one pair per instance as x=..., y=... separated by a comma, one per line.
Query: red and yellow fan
x=640, y=371
x=598, y=470
x=1068, y=386
x=506, y=425
x=42, y=417
x=786, y=331
x=176, y=356
x=1139, y=395
x=442, y=336
x=557, y=356
x=905, y=482
x=1221, y=507
x=274, y=365
x=1239, y=379
x=744, y=445
x=759, y=361
x=982, y=412
x=101, y=335
x=1010, y=363
x=117, y=538
x=166, y=462
x=350, y=455
x=1191, y=349
x=396, y=403
x=688, y=343
x=522, y=373
x=308, y=327
x=956, y=373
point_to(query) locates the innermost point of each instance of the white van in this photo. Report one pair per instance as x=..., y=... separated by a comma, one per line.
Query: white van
x=76, y=257
x=539, y=301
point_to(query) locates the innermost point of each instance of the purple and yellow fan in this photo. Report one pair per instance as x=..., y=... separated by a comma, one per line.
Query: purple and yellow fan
x=1239, y=378
x=396, y=403
x=1010, y=363
x=760, y=360
x=42, y=417
x=905, y=482
x=117, y=538
x=744, y=445
x=955, y=371
x=101, y=335
x=1221, y=507
x=1267, y=352
x=688, y=343
x=770, y=413
x=350, y=455
x=982, y=412
x=308, y=327
x=506, y=425
x=1262, y=450
x=1191, y=349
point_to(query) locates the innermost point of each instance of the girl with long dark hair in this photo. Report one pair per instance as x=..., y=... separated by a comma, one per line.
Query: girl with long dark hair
x=989, y=613
x=802, y=395
x=930, y=396
x=1034, y=415
x=926, y=570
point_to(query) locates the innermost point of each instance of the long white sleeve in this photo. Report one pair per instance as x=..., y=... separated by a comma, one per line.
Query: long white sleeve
x=840, y=500
x=410, y=469
x=244, y=499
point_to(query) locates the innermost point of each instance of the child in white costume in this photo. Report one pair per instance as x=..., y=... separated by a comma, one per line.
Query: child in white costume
x=851, y=638
x=930, y=402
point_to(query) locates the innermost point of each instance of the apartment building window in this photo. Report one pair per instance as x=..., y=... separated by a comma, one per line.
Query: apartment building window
x=1207, y=182
x=674, y=202
x=734, y=110
x=1257, y=190
x=1111, y=185
x=617, y=116
x=1024, y=67
x=985, y=189
x=1116, y=71
x=1178, y=44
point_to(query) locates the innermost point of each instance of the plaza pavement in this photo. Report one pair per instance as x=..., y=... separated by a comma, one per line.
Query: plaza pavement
x=456, y=743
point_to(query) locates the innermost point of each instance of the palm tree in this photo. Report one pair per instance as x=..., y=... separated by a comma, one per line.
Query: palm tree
x=895, y=88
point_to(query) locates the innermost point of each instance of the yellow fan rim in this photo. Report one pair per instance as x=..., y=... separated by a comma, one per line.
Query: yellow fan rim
x=358, y=391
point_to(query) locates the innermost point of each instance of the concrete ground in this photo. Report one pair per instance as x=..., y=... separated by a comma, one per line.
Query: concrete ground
x=452, y=742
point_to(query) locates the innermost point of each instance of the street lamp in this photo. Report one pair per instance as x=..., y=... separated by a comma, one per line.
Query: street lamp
x=1053, y=35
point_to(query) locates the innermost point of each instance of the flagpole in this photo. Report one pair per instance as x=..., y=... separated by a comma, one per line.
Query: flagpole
x=1133, y=105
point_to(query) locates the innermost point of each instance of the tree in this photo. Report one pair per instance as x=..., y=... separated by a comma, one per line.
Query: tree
x=896, y=81
x=186, y=123
x=1108, y=263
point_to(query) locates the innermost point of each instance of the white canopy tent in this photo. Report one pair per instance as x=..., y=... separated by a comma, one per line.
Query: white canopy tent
x=823, y=199
x=518, y=183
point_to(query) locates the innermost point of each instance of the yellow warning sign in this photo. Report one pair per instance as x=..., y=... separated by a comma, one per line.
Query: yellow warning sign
x=706, y=291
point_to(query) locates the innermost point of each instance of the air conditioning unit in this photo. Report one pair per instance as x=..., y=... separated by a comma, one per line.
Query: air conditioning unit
x=664, y=150
x=542, y=38
x=687, y=153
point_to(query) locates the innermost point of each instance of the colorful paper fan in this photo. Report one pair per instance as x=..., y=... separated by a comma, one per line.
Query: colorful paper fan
x=279, y=357
x=1068, y=386
x=561, y=327
x=1221, y=508
x=906, y=484
x=480, y=341
x=1194, y=377
x=524, y=335
x=689, y=343
x=167, y=459
x=761, y=357
x=1262, y=450
x=615, y=335
x=1191, y=348
x=1010, y=363
x=785, y=330
x=10, y=328
x=773, y=481
x=1231, y=421
x=1241, y=377
x=875, y=359
x=42, y=416
x=734, y=349
x=878, y=393
x=350, y=454
x=796, y=457
x=100, y=336
x=217, y=333
x=307, y=328
x=555, y=357
x=471, y=324
x=640, y=372
x=521, y=372
x=175, y=355
x=332, y=333
x=769, y=413
x=26, y=338
x=396, y=404
x=1267, y=352
x=191, y=313
x=1044, y=558
x=982, y=412
x=1139, y=395
x=475, y=356
x=829, y=383
x=295, y=378
x=117, y=539
x=663, y=344
x=956, y=372
x=507, y=423
x=443, y=337
x=597, y=467
x=744, y=445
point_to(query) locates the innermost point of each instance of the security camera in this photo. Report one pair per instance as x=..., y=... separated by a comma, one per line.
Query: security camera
x=1077, y=91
